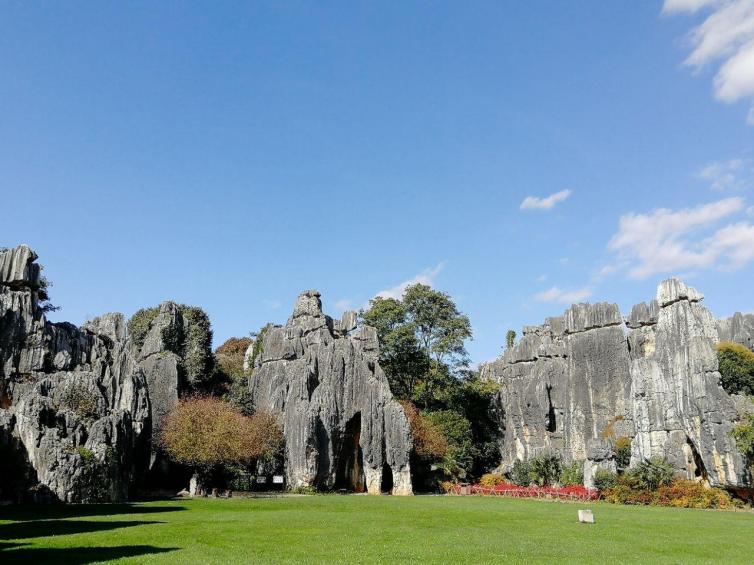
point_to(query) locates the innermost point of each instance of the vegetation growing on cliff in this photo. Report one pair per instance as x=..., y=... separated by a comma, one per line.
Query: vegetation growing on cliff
x=736, y=363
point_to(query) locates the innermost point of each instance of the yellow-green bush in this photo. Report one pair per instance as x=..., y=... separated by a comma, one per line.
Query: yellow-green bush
x=491, y=480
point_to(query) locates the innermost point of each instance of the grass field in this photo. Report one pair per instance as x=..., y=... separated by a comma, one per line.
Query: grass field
x=370, y=529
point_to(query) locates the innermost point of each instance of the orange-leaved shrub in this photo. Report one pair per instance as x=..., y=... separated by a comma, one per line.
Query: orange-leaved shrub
x=429, y=441
x=206, y=432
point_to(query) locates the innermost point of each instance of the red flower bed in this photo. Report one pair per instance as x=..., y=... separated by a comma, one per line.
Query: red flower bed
x=571, y=492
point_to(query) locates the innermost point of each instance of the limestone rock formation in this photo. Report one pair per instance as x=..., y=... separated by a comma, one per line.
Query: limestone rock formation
x=680, y=410
x=578, y=382
x=342, y=426
x=565, y=386
x=739, y=328
x=74, y=406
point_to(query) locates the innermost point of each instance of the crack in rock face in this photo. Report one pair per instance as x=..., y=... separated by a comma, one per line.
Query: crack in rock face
x=653, y=380
x=342, y=426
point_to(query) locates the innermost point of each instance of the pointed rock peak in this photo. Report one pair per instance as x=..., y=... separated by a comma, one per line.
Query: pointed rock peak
x=673, y=290
x=308, y=304
x=17, y=266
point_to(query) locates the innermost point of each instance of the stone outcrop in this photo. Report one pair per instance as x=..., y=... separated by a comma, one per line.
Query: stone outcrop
x=680, y=410
x=578, y=382
x=73, y=402
x=739, y=328
x=342, y=426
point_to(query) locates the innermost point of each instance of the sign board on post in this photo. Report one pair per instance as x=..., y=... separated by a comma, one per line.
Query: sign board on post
x=262, y=480
x=277, y=479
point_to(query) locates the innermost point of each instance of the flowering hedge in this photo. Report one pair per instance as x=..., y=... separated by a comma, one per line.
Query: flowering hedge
x=570, y=492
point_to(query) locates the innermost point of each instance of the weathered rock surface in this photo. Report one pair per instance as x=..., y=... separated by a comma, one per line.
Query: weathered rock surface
x=72, y=400
x=578, y=382
x=342, y=426
x=564, y=386
x=739, y=328
x=680, y=410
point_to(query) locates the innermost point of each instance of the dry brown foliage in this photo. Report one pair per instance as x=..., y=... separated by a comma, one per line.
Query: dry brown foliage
x=204, y=432
x=231, y=353
x=429, y=441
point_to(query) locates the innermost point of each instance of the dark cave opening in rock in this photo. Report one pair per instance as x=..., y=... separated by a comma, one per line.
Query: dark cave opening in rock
x=350, y=471
x=387, y=479
x=551, y=422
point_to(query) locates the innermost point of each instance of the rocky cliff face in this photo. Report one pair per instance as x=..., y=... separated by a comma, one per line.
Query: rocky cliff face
x=739, y=328
x=343, y=428
x=565, y=386
x=577, y=383
x=73, y=403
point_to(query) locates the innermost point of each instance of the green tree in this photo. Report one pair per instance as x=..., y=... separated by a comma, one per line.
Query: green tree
x=510, y=339
x=422, y=343
x=736, y=363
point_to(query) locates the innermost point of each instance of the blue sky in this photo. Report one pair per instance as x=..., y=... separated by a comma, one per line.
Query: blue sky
x=515, y=155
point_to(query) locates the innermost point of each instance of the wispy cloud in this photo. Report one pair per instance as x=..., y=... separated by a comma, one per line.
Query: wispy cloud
x=427, y=277
x=544, y=203
x=555, y=294
x=734, y=174
x=725, y=36
x=541, y=278
x=343, y=305
x=665, y=241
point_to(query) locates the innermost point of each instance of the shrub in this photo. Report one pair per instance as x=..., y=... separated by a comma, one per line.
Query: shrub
x=491, y=480
x=80, y=399
x=520, y=474
x=87, y=455
x=651, y=474
x=736, y=365
x=681, y=493
x=572, y=474
x=604, y=479
x=623, y=452
x=206, y=432
x=743, y=433
x=545, y=469
x=459, y=457
x=230, y=355
x=429, y=442
x=139, y=324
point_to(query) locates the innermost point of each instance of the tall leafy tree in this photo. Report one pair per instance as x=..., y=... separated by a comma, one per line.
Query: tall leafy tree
x=423, y=353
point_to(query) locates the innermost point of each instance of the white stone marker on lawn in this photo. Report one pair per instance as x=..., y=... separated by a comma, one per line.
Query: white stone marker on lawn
x=586, y=516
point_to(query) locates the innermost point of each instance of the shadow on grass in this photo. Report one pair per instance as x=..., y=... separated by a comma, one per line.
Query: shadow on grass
x=78, y=555
x=30, y=512
x=44, y=528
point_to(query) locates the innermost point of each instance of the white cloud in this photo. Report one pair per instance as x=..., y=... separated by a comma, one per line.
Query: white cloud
x=546, y=203
x=343, y=305
x=541, y=278
x=666, y=240
x=427, y=277
x=734, y=174
x=726, y=35
x=556, y=294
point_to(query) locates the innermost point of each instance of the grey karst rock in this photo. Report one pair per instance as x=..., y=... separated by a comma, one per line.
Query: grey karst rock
x=342, y=426
x=577, y=383
x=564, y=385
x=73, y=403
x=739, y=328
x=680, y=410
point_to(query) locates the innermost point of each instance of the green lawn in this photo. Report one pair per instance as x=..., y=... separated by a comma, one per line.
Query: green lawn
x=370, y=529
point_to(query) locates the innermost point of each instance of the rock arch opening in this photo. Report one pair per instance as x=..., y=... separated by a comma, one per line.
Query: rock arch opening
x=350, y=469
x=386, y=485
